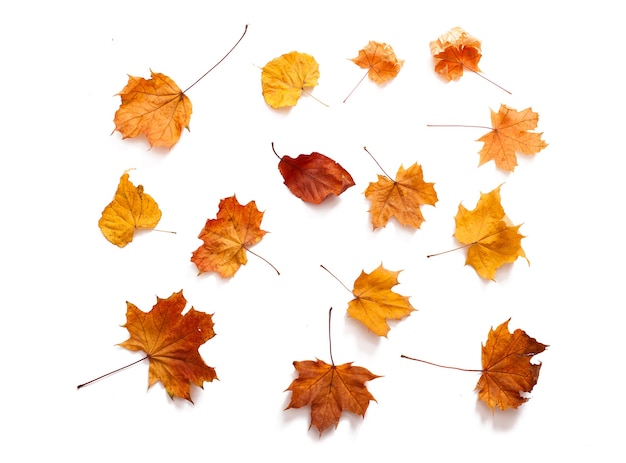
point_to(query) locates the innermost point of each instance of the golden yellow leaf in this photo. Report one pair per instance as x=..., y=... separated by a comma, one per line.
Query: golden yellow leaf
x=284, y=78
x=130, y=209
x=492, y=239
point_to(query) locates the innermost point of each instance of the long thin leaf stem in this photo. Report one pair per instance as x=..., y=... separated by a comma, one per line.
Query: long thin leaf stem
x=488, y=80
x=263, y=259
x=355, y=87
x=459, y=125
x=111, y=372
x=379, y=166
x=216, y=64
x=440, y=366
x=330, y=342
x=340, y=282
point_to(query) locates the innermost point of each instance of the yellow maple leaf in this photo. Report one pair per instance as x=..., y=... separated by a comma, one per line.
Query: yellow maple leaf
x=491, y=238
x=284, y=78
x=130, y=209
x=374, y=301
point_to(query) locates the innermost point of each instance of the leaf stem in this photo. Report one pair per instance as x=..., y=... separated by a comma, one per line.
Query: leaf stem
x=352, y=91
x=441, y=366
x=263, y=259
x=459, y=125
x=225, y=56
x=379, y=166
x=340, y=282
x=276, y=152
x=315, y=98
x=330, y=342
x=488, y=80
x=110, y=373
x=449, y=250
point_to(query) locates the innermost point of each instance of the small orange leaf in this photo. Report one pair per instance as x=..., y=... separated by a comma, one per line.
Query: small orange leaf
x=507, y=370
x=381, y=61
x=171, y=341
x=374, y=301
x=400, y=198
x=510, y=135
x=130, y=209
x=455, y=51
x=154, y=107
x=227, y=237
x=314, y=177
x=284, y=78
x=492, y=239
x=330, y=390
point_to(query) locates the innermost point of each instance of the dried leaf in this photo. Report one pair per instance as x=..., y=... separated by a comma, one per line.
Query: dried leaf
x=227, y=237
x=455, y=51
x=374, y=301
x=284, y=78
x=381, y=61
x=131, y=209
x=330, y=390
x=154, y=107
x=400, y=198
x=313, y=177
x=510, y=135
x=171, y=341
x=507, y=370
x=492, y=239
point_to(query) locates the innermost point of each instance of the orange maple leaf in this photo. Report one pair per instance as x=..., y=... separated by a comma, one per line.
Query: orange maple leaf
x=380, y=61
x=284, y=78
x=455, y=51
x=154, y=107
x=330, y=390
x=400, y=198
x=507, y=370
x=171, y=341
x=510, y=135
x=227, y=237
x=130, y=209
x=374, y=301
x=491, y=238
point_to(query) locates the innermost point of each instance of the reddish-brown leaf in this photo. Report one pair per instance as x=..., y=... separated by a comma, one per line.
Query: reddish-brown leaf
x=171, y=341
x=330, y=390
x=313, y=177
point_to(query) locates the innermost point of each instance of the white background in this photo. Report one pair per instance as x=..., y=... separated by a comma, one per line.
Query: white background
x=65, y=286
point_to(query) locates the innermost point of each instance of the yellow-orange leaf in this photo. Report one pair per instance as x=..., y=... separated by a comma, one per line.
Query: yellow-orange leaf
x=507, y=370
x=374, y=301
x=284, y=78
x=154, y=107
x=226, y=238
x=171, y=341
x=455, y=51
x=130, y=209
x=492, y=239
x=380, y=60
x=510, y=135
x=400, y=198
x=330, y=390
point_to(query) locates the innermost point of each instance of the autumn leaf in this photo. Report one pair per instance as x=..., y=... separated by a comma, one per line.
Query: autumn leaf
x=130, y=210
x=374, y=303
x=380, y=61
x=330, y=390
x=227, y=237
x=510, y=135
x=313, y=177
x=400, y=198
x=507, y=370
x=155, y=107
x=284, y=78
x=455, y=51
x=491, y=238
x=171, y=341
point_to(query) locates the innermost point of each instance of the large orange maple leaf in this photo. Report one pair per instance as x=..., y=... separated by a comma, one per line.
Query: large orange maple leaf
x=130, y=210
x=330, y=390
x=491, y=238
x=455, y=51
x=284, y=78
x=227, y=237
x=155, y=107
x=510, y=134
x=507, y=370
x=171, y=341
x=400, y=198
x=375, y=303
